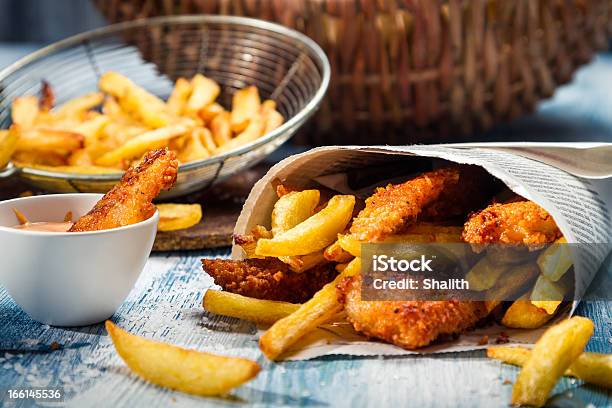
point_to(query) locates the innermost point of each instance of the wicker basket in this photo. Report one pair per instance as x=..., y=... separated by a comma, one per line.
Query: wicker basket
x=407, y=71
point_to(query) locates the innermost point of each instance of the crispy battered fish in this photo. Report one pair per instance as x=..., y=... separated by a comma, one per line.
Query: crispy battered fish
x=520, y=222
x=129, y=201
x=408, y=324
x=268, y=278
x=434, y=196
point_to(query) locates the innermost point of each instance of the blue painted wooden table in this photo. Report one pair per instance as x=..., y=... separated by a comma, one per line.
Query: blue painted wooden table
x=166, y=304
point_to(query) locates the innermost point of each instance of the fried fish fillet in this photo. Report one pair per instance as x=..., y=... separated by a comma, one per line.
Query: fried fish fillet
x=408, y=324
x=268, y=278
x=520, y=222
x=433, y=196
x=130, y=200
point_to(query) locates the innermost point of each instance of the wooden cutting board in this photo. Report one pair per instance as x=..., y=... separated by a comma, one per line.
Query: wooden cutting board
x=221, y=205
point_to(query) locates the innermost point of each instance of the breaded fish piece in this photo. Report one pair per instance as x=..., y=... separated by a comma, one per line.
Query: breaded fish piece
x=130, y=200
x=408, y=324
x=391, y=208
x=268, y=278
x=520, y=222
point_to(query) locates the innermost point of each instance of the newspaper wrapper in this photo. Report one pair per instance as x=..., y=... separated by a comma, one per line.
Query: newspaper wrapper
x=578, y=198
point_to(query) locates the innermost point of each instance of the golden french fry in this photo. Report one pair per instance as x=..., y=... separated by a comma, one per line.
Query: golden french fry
x=552, y=355
x=293, y=208
x=550, y=306
x=8, y=145
x=320, y=309
x=484, y=274
x=47, y=140
x=24, y=110
x=135, y=147
x=349, y=244
x=178, y=216
x=21, y=218
x=593, y=368
x=204, y=91
x=335, y=253
x=513, y=281
x=114, y=84
x=193, y=149
x=210, y=111
x=80, y=157
x=207, y=139
x=38, y=158
x=181, y=369
x=91, y=128
x=313, y=234
x=179, y=96
x=248, y=243
x=246, y=308
x=301, y=263
x=523, y=315
x=80, y=105
x=546, y=290
x=271, y=116
x=220, y=127
x=555, y=260
x=245, y=106
x=252, y=132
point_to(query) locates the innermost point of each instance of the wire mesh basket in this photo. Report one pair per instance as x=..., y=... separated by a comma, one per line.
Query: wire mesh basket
x=285, y=65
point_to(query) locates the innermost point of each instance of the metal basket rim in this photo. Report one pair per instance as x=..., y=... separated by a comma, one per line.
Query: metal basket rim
x=289, y=126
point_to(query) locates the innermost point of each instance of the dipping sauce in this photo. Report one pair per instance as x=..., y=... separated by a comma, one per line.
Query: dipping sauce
x=45, y=226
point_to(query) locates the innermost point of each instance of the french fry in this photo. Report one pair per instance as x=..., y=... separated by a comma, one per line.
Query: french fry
x=8, y=145
x=524, y=315
x=181, y=369
x=246, y=308
x=193, y=149
x=174, y=217
x=545, y=290
x=80, y=157
x=301, y=263
x=47, y=140
x=320, y=309
x=293, y=208
x=153, y=139
x=24, y=111
x=179, y=96
x=550, y=306
x=313, y=234
x=513, y=281
x=272, y=117
x=114, y=84
x=91, y=128
x=252, y=132
x=78, y=106
x=206, y=139
x=593, y=368
x=245, y=106
x=37, y=158
x=248, y=243
x=349, y=244
x=220, y=127
x=204, y=91
x=21, y=218
x=210, y=111
x=335, y=253
x=555, y=260
x=484, y=274
x=552, y=355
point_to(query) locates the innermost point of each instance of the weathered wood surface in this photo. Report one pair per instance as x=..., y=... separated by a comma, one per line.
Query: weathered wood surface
x=166, y=305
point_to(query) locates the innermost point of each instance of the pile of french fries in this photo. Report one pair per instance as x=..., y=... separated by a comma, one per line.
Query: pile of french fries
x=501, y=277
x=107, y=131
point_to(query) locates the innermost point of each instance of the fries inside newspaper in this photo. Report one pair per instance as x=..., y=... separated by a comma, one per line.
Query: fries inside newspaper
x=506, y=249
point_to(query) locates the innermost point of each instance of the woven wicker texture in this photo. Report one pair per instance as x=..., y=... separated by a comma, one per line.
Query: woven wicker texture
x=422, y=70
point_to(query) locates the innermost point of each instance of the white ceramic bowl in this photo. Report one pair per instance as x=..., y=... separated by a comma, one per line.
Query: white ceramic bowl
x=72, y=278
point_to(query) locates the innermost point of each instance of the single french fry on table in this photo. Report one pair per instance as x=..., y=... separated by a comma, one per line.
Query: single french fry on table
x=551, y=356
x=174, y=217
x=314, y=233
x=177, y=368
x=246, y=308
x=319, y=310
x=593, y=368
x=245, y=106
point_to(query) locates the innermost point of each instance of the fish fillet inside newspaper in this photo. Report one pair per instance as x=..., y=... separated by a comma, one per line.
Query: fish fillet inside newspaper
x=580, y=207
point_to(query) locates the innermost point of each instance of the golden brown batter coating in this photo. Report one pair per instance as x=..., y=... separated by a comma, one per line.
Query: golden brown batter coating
x=130, y=200
x=520, y=222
